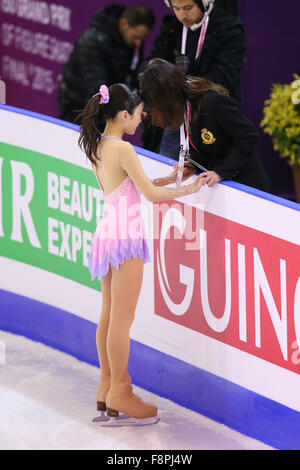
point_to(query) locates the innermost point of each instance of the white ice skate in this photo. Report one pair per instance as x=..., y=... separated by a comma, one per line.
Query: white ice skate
x=101, y=407
x=117, y=422
x=116, y=419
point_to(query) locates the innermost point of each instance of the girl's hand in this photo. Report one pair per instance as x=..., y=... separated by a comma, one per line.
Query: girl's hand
x=171, y=178
x=195, y=186
x=188, y=171
x=211, y=178
x=198, y=183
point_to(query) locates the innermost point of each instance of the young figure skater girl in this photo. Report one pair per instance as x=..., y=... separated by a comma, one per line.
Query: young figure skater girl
x=119, y=248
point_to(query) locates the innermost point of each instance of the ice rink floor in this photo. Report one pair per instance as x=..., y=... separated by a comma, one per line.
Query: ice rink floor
x=47, y=401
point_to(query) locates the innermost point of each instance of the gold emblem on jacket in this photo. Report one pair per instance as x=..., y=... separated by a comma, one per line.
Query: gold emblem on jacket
x=207, y=137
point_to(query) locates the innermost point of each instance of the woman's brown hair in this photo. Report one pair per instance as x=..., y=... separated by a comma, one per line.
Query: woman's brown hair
x=165, y=90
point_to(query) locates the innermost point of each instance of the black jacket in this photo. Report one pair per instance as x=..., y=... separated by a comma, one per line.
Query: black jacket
x=221, y=60
x=100, y=56
x=223, y=53
x=225, y=141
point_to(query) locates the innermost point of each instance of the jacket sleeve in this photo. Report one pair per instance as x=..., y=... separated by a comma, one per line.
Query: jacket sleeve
x=94, y=68
x=229, y=60
x=242, y=133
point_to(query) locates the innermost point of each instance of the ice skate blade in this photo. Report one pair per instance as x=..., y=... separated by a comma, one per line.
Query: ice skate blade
x=117, y=422
x=102, y=417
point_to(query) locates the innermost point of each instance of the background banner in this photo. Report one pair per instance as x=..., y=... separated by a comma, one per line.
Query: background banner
x=37, y=38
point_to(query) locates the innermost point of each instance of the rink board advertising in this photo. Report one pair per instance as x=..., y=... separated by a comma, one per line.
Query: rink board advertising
x=217, y=326
x=244, y=284
x=48, y=212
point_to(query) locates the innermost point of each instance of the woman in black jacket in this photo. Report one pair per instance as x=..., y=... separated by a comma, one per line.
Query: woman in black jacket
x=221, y=139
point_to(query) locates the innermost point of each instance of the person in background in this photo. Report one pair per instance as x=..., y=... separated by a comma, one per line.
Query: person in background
x=220, y=138
x=109, y=51
x=204, y=41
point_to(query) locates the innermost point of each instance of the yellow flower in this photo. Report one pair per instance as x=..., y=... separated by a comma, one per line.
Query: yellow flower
x=282, y=119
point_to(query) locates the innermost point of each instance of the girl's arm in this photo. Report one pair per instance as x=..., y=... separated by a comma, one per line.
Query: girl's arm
x=171, y=178
x=130, y=163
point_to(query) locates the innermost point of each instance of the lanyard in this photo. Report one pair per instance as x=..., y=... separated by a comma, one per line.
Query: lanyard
x=135, y=58
x=184, y=151
x=200, y=41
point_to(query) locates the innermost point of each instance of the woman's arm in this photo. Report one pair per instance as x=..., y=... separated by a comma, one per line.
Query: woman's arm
x=242, y=132
x=131, y=164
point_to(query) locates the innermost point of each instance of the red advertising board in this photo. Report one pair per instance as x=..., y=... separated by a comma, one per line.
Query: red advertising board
x=229, y=282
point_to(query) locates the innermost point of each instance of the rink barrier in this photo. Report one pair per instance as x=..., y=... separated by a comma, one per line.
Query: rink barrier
x=223, y=401
x=209, y=381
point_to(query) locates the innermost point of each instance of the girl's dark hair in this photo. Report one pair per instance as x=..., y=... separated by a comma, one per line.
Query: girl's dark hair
x=94, y=116
x=165, y=90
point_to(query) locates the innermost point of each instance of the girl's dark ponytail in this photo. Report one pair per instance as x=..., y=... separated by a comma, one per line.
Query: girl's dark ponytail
x=92, y=119
x=103, y=106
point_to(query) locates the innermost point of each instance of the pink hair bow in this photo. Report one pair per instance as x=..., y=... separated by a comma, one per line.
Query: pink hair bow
x=104, y=94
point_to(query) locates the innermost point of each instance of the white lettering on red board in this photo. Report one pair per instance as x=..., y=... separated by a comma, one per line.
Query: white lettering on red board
x=237, y=284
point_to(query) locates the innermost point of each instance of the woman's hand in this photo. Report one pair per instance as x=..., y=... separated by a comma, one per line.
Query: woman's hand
x=188, y=170
x=211, y=178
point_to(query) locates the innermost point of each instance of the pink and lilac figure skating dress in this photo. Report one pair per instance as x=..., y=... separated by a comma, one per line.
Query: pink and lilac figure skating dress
x=120, y=233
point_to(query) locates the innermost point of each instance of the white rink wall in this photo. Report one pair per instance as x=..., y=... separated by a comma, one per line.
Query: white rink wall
x=217, y=327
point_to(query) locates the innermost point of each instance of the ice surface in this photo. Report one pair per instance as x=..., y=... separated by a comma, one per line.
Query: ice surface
x=47, y=401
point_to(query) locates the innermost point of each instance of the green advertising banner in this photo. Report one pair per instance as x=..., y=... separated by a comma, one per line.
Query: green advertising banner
x=49, y=210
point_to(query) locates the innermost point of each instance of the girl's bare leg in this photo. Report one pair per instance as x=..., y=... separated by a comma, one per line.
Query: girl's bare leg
x=125, y=289
x=101, y=338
